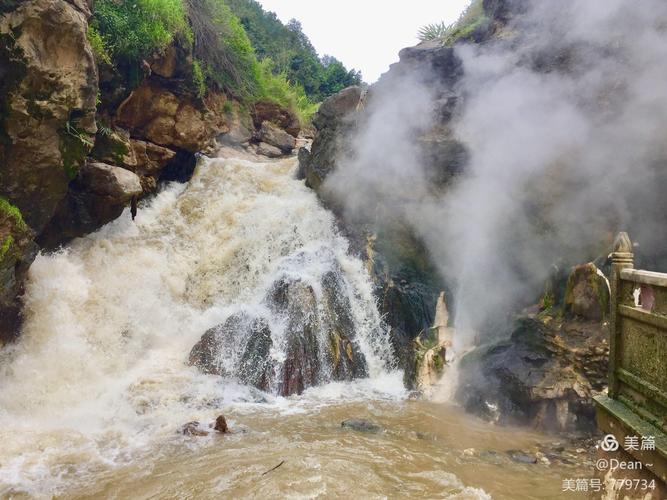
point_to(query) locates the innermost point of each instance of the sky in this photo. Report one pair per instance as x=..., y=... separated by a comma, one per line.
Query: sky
x=364, y=34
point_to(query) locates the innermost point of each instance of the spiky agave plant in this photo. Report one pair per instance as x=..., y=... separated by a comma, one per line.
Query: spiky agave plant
x=435, y=31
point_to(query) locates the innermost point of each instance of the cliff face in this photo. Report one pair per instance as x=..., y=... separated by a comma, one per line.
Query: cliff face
x=48, y=89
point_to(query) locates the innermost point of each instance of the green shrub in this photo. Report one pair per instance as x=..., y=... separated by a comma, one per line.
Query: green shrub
x=13, y=214
x=223, y=48
x=98, y=45
x=198, y=79
x=472, y=18
x=276, y=88
x=135, y=29
x=436, y=31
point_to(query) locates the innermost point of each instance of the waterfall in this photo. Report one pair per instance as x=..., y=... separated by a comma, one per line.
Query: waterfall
x=102, y=364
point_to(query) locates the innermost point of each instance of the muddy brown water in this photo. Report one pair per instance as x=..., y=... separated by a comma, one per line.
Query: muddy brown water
x=93, y=394
x=426, y=450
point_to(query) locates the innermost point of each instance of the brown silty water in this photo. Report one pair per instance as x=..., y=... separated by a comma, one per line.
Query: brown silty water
x=93, y=395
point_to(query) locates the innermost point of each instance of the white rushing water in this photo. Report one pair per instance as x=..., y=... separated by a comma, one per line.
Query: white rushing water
x=100, y=372
x=94, y=393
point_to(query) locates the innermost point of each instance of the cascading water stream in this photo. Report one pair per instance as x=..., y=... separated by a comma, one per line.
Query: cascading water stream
x=101, y=367
x=93, y=395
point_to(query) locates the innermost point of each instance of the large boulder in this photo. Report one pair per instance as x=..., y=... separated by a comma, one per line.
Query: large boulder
x=267, y=111
x=275, y=136
x=544, y=375
x=158, y=115
x=48, y=91
x=98, y=195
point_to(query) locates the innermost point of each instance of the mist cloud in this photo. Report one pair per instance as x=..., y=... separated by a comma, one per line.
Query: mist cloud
x=564, y=117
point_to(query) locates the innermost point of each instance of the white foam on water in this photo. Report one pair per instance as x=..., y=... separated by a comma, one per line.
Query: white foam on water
x=99, y=377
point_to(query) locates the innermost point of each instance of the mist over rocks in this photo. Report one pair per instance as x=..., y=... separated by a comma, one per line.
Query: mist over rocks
x=527, y=143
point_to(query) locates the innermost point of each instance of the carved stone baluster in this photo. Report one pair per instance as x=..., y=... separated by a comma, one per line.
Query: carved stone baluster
x=621, y=258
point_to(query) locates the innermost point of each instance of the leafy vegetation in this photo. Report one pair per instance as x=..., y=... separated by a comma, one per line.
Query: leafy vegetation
x=135, y=29
x=472, y=19
x=252, y=58
x=13, y=214
x=436, y=31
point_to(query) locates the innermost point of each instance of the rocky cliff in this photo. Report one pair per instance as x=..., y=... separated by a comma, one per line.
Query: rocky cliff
x=79, y=141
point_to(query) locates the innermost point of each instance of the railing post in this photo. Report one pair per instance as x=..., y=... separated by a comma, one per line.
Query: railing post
x=621, y=258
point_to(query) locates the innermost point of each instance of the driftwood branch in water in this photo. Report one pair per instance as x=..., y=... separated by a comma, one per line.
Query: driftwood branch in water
x=271, y=470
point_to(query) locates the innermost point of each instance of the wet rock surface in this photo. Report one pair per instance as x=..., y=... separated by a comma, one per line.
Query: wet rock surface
x=361, y=425
x=313, y=331
x=544, y=374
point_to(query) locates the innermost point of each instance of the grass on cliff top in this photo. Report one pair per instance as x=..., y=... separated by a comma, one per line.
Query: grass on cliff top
x=125, y=32
x=471, y=18
x=136, y=29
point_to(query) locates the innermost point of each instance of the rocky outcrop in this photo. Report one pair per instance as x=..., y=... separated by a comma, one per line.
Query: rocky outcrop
x=273, y=135
x=314, y=334
x=158, y=115
x=98, y=195
x=48, y=94
x=333, y=121
x=283, y=118
x=547, y=371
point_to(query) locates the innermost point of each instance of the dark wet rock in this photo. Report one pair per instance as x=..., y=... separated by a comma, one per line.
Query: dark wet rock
x=318, y=338
x=221, y=425
x=521, y=457
x=303, y=157
x=361, y=425
x=246, y=338
x=193, y=429
x=543, y=375
x=275, y=136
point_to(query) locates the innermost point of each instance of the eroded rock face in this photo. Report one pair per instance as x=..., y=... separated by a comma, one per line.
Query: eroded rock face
x=156, y=114
x=544, y=375
x=48, y=90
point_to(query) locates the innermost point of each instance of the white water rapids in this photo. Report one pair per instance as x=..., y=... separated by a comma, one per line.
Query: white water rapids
x=94, y=392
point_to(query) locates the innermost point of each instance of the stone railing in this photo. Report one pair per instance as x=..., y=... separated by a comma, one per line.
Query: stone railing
x=636, y=405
